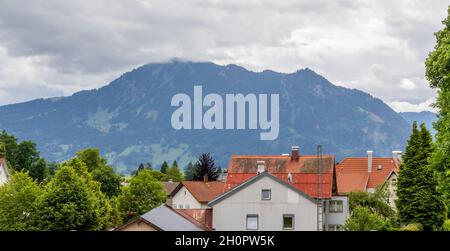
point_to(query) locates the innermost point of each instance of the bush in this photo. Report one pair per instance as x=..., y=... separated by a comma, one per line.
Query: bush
x=412, y=227
x=446, y=226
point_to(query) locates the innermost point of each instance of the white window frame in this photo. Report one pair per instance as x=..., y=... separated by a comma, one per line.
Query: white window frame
x=251, y=216
x=333, y=206
x=292, y=216
x=270, y=194
x=335, y=227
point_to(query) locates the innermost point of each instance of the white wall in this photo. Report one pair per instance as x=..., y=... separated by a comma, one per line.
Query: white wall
x=230, y=214
x=3, y=176
x=335, y=218
x=184, y=197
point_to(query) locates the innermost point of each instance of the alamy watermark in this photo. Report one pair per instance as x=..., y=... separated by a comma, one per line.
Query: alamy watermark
x=235, y=112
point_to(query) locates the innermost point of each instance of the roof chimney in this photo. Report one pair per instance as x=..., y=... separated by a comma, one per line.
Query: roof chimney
x=295, y=152
x=369, y=161
x=397, y=156
x=205, y=178
x=261, y=166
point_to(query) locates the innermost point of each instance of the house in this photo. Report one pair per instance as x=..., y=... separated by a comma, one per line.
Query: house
x=368, y=173
x=264, y=202
x=196, y=194
x=169, y=186
x=202, y=215
x=304, y=184
x=4, y=174
x=163, y=218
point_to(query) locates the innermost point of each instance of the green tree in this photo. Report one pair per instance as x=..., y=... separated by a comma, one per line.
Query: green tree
x=10, y=147
x=174, y=173
x=418, y=199
x=39, y=170
x=363, y=219
x=101, y=171
x=17, y=203
x=206, y=166
x=72, y=200
x=142, y=194
x=189, y=172
x=375, y=202
x=164, y=167
x=438, y=74
x=23, y=156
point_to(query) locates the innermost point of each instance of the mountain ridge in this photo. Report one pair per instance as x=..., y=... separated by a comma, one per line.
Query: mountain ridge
x=129, y=119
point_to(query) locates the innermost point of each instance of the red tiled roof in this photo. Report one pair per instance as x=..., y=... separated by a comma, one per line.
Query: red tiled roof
x=204, y=216
x=202, y=191
x=352, y=173
x=304, y=171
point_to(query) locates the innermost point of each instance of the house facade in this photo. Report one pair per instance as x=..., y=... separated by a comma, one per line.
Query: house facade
x=4, y=175
x=196, y=194
x=308, y=175
x=368, y=173
x=264, y=203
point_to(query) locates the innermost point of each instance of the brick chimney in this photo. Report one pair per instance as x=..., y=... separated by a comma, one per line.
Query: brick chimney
x=369, y=161
x=295, y=152
x=261, y=166
x=205, y=178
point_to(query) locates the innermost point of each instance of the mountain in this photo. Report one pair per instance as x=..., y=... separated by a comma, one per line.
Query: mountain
x=421, y=117
x=130, y=118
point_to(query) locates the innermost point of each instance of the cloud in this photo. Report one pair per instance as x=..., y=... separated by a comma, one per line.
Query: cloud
x=53, y=47
x=403, y=106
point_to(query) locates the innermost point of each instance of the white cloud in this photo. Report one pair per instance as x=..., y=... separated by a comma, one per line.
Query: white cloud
x=402, y=106
x=407, y=84
x=51, y=47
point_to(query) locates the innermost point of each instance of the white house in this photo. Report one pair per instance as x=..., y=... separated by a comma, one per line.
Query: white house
x=266, y=203
x=4, y=175
x=196, y=194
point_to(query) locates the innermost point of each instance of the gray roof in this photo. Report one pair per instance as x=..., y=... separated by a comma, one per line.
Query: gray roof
x=168, y=219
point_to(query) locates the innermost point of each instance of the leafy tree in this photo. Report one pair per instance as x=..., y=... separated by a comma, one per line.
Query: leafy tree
x=174, y=173
x=206, y=166
x=148, y=166
x=39, y=170
x=438, y=75
x=363, y=219
x=101, y=171
x=159, y=176
x=10, y=147
x=72, y=200
x=375, y=202
x=164, y=167
x=26, y=155
x=17, y=203
x=23, y=156
x=189, y=172
x=418, y=199
x=142, y=194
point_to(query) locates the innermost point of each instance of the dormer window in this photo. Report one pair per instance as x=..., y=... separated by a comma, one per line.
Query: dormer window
x=289, y=178
x=266, y=194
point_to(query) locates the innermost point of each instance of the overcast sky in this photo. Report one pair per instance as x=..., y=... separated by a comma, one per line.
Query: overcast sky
x=54, y=48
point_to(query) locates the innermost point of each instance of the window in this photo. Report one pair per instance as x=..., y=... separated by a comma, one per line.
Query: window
x=174, y=205
x=252, y=222
x=266, y=194
x=335, y=206
x=288, y=222
x=187, y=206
x=180, y=206
x=333, y=227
